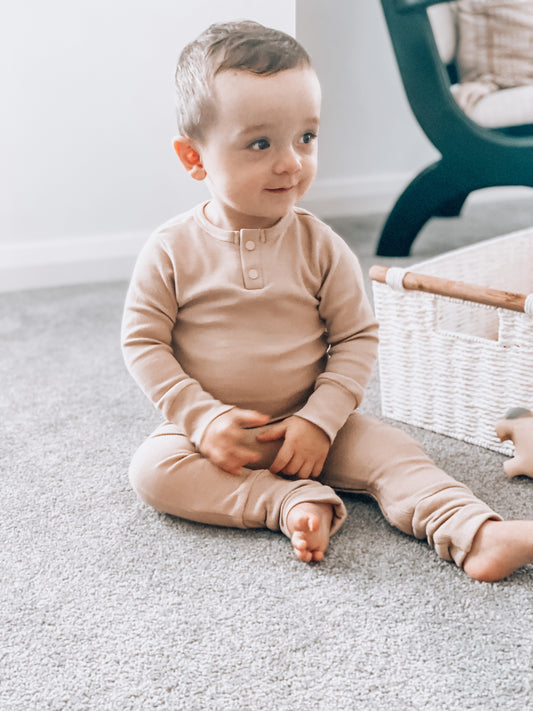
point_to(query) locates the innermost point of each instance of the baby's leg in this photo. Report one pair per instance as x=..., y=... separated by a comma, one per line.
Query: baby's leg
x=169, y=474
x=420, y=499
x=308, y=524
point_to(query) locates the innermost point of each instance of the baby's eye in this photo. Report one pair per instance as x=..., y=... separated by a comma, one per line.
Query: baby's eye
x=260, y=145
x=308, y=137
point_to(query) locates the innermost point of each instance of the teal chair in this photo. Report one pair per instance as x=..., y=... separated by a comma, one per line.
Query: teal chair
x=472, y=156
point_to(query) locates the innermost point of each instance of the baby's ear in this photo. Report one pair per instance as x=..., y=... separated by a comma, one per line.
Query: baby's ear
x=189, y=157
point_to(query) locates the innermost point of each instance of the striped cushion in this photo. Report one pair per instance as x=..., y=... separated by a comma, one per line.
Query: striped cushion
x=495, y=42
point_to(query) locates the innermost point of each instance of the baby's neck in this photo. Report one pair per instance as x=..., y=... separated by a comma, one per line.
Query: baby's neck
x=226, y=219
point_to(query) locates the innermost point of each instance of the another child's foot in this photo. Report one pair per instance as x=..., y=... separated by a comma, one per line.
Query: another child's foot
x=309, y=525
x=499, y=548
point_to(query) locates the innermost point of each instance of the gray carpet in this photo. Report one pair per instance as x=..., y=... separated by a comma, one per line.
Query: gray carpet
x=106, y=604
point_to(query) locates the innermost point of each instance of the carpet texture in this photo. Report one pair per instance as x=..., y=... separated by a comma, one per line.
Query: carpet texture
x=106, y=604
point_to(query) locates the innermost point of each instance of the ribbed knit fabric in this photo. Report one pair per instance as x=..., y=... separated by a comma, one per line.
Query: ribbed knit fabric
x=276, y=320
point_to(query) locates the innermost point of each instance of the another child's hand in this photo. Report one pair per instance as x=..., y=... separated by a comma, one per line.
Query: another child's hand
x=222, y=440
x=304, y=450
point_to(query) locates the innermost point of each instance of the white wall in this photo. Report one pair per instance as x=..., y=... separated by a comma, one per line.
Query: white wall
x=87, y=168
x=370, y=144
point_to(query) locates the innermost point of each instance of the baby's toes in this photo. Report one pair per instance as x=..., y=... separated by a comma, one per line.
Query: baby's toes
x=300, y=548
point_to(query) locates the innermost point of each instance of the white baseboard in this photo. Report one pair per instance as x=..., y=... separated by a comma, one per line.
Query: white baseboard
x=34, y=265
x=377, y=195
x=355, y=196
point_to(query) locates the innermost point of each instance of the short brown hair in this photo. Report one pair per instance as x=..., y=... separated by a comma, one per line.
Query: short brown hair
x=246, y=46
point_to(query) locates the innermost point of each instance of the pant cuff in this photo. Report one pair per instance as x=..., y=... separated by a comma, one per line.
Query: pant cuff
x=459, y=551
x=319, y=494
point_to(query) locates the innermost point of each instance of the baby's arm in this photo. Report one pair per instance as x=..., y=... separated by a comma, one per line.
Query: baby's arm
x=149, y=318
x=351, y=332
x=352, y=336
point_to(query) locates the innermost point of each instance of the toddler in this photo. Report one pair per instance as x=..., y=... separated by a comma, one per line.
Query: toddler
x=247, y=324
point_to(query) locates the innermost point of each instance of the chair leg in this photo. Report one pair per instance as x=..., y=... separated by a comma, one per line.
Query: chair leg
x=432, y=193
x=451, y=208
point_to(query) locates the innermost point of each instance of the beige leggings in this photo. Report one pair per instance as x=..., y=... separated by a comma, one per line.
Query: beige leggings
x=368, y=456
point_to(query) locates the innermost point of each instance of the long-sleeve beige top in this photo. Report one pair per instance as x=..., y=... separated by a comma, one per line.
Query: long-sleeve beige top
x=276, y=320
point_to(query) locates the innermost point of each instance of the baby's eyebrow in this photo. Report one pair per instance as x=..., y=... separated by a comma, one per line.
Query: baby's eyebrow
x=258, y=128
x=312, y=122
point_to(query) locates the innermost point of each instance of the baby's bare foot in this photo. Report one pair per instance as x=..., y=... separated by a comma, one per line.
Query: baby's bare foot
x=499, y=548
x=309, y=525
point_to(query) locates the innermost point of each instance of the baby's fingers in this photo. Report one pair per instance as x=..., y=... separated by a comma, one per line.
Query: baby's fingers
x=250, y=418
x=233, y=462
x=306, y=471
x=282, y=459
x=317, y=469
x=272, y=433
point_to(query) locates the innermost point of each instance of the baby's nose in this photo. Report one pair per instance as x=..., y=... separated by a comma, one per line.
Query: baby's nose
x=288, y=161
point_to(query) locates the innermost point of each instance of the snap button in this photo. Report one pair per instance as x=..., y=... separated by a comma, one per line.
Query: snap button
x=250, y=245
x=253, y=273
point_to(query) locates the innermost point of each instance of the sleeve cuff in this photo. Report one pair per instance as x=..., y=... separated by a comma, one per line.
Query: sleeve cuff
x=328, y=408
x=204, y=421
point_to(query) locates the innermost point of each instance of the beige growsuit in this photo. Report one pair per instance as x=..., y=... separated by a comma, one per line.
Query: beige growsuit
x=274, y=320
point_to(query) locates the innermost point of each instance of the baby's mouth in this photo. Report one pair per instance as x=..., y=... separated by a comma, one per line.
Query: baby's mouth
x=280, y=190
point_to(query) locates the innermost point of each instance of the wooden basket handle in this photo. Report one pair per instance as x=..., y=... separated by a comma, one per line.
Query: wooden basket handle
x=455, y=289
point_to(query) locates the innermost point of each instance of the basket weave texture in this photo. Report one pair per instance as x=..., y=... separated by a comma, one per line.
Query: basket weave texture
x=453, y=366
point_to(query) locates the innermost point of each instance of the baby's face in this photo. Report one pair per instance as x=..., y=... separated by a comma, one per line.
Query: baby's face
x=260, y=154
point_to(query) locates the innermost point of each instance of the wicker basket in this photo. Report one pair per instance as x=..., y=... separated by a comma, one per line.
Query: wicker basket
x=456, y=338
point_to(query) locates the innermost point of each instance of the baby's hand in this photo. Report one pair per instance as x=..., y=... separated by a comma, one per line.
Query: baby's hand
x=304, y=450
x=222, y=440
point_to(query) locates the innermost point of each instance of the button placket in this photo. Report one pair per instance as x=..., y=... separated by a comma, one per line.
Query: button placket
x=251, y=259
